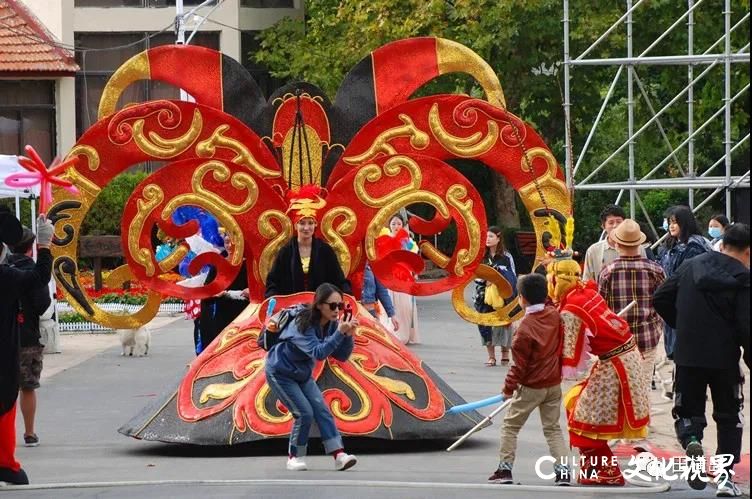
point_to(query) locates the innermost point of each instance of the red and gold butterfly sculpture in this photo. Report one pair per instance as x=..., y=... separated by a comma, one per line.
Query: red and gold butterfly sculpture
x=234, y=154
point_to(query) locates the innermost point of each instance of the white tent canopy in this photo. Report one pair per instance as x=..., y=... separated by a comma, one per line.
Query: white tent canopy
x=8, y=166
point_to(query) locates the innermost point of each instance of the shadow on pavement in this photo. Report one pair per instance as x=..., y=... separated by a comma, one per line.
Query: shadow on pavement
x=277, y=446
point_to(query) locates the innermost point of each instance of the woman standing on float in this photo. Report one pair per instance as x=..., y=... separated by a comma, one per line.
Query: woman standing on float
x=406, y=309
x=306, y=262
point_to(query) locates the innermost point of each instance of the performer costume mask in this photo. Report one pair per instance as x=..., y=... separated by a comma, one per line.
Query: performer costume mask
x=563, y=275
x=608, y=404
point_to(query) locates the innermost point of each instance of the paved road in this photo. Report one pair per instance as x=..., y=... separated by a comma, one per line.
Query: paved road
x=93, y=390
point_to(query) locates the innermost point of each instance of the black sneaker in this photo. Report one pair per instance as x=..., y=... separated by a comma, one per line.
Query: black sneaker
x=694, y=452
x=11, y=477
x=501, y=476
x=562, y=475
x=31, y=440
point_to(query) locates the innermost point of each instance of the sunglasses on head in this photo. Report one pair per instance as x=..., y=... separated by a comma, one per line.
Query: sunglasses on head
x=335, y=305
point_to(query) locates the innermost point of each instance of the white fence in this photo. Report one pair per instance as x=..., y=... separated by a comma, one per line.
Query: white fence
x=64, y=307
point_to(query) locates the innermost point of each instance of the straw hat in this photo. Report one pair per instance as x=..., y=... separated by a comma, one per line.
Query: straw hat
x=628, y=233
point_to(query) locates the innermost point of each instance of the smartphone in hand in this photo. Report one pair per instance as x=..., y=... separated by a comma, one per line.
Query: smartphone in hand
x=348, y=313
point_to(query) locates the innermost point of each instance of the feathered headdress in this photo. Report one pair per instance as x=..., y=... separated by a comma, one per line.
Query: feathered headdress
x=305, y=202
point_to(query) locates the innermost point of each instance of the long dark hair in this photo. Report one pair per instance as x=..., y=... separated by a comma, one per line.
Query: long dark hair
x=311, y=316
x=499, y=247
x=686, y=221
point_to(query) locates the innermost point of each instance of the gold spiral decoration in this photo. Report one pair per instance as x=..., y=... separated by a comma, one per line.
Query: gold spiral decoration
x=162, y=148
x=152, y=197
x=392, y=167
x=218, y=140
x=260, y=403
x=466, y=147
x=333, y=233
x=456, y=196
x=418, y=140
x=365, y=400
x=277, y=239
x=221, y=173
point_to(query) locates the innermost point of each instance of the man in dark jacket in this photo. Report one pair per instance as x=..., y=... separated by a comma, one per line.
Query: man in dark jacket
x=707, y=301
x=14, y=283
x=32, y=304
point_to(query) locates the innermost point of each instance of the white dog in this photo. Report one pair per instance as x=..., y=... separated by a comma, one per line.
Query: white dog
x=135, y=341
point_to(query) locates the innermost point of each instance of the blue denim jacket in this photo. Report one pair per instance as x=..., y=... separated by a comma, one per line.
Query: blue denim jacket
x=296, y=353
x=373, y=290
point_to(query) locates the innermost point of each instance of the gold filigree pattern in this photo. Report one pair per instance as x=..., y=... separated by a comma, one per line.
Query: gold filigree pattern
x=418, y=140
x=233, y=333
x=221, y=391
x=392, y=167
x=365, y=400
x=333, y=233
x=260, y=403
x=173, y=259
x=152, y=197
x=221, y=173
x=162, y=148
x=389, y=384
x=465, y=147
x=465, y=256
x=87, y=190
x=88, y=152
x=208, y=148
x=551, y=188
x=277, y=239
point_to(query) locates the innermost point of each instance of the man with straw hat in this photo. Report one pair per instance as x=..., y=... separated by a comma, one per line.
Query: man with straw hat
x=632, y=277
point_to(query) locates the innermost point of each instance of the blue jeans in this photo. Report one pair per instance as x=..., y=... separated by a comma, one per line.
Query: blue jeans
x=669, y=340
x=305, y=402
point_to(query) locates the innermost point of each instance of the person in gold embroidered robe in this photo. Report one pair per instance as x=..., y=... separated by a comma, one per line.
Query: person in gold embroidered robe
x=609, y=403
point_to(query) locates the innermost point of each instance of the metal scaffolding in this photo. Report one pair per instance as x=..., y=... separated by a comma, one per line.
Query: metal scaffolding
x=693, y=176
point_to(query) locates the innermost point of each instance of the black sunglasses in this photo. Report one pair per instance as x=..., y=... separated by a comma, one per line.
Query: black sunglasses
x=335, y=305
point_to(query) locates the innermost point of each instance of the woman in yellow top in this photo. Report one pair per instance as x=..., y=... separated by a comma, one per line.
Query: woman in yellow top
x=306, y=262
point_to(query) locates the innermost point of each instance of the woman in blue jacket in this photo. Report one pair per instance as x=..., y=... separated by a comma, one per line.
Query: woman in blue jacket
x=313, y=334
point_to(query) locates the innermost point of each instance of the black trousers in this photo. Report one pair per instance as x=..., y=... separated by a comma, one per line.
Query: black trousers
x=726, y=389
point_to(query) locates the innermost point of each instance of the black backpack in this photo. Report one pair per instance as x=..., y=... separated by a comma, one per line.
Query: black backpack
x=271, y=333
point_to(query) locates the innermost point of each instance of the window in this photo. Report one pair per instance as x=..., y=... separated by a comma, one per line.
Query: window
x=249, y=45
x=97, y=67
x=268, y=4
x=27, y=116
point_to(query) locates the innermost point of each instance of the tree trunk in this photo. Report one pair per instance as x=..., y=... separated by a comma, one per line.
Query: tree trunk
x=505, y=202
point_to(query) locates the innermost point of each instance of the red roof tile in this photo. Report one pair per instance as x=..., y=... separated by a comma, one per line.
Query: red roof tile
x=27, y=47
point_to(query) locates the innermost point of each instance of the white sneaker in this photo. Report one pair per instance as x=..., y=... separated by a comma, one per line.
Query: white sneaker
x=728, y=489
x=296, y=464
x=344, y=461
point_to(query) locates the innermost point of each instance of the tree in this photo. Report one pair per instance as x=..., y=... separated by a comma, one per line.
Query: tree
x=515, y=37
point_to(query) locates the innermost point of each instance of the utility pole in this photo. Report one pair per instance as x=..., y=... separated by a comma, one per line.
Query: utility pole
x=179, y=23
x=180, y=20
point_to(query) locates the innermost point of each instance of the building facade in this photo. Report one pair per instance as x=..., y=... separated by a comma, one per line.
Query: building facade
x=105, y=33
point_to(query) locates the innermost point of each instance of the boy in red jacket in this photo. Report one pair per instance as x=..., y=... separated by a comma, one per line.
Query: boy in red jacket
x=534, y=381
